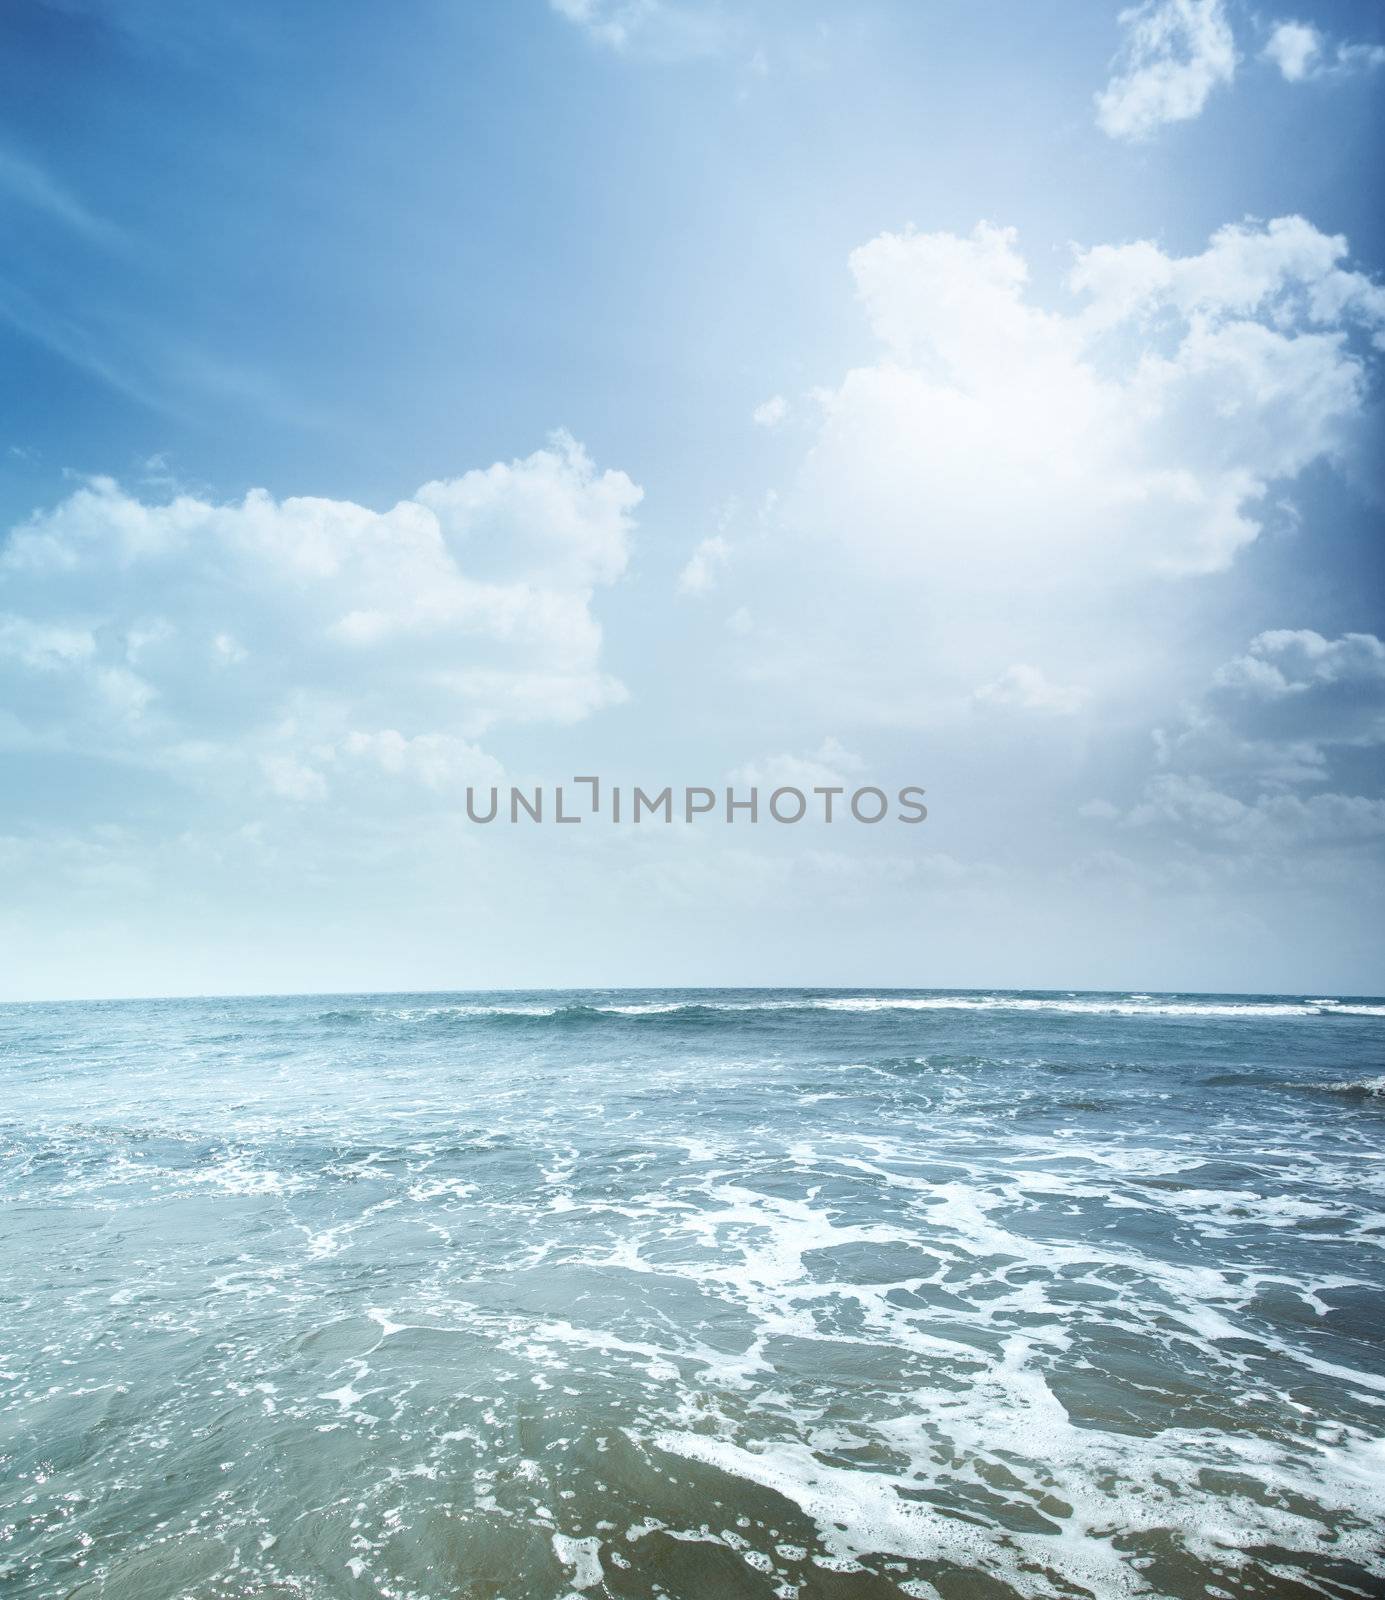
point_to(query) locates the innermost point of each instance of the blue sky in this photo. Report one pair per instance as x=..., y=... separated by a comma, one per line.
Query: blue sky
x=923, y=393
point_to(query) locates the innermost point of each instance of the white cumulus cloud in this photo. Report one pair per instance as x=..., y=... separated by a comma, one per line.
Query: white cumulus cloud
x=1138, y=430
x=1006, y=483
x=300, y=638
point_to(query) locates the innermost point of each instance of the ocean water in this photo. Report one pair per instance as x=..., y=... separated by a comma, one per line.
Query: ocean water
x=693, y=1294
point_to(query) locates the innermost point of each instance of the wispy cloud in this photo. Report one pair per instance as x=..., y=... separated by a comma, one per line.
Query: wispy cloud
x=145, y=363
x=1025, y=688
x=662, y=29
x=771, y=412
x=1176, y=53
x=32, y=186
x=700, y=574
x=79, y=345
x=1252, y=769
x=1302, y=52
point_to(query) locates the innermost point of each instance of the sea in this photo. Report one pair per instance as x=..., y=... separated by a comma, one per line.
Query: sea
x=807, y=1294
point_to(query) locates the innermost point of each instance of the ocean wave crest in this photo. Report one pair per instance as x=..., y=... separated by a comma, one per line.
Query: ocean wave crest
x=577, y=1011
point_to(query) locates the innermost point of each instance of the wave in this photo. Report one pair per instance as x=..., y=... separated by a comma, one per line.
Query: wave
x=1126, y=1007
x=570, y=1012
x=1353, y=1088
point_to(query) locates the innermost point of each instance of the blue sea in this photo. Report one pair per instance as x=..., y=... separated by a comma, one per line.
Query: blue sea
x=814, y=1295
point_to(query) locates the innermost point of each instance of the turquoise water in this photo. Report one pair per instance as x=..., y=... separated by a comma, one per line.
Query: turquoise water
x=713, y=1293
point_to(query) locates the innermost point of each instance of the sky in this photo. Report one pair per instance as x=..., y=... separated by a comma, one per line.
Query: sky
x=983, y=397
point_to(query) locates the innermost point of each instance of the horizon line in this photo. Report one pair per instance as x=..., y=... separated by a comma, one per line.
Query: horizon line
x=1129, y=992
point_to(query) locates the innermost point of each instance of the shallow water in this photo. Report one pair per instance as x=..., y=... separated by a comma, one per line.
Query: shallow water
x=812, y=1294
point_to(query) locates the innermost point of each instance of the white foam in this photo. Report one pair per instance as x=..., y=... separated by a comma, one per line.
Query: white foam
x=1368, y=1086
x=1097, y=1007
x=1129, y=1005
x=583, y=1556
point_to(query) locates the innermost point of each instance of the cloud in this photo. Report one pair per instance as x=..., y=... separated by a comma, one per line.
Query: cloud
x=1001, y=515
x=740, y=622
x=1287, y=274
x=1301, y=52
x=1279, y=711
x=1138, y=430
x=292, y=779
x=297, y=640
x=1176, y=53
x=1355, y=58
x=1294, y=48
x=41, y=647
x=699, y=576
x=660, y=29
x=140, y=359
x=771, y=412
x=1266, y=824
x=1025, y=688
x=1270, y=726
x=438, y=761
x=1292, y=682
x=132, y=355
x=1007, y=483
x=831, y=765
x=32, y=186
